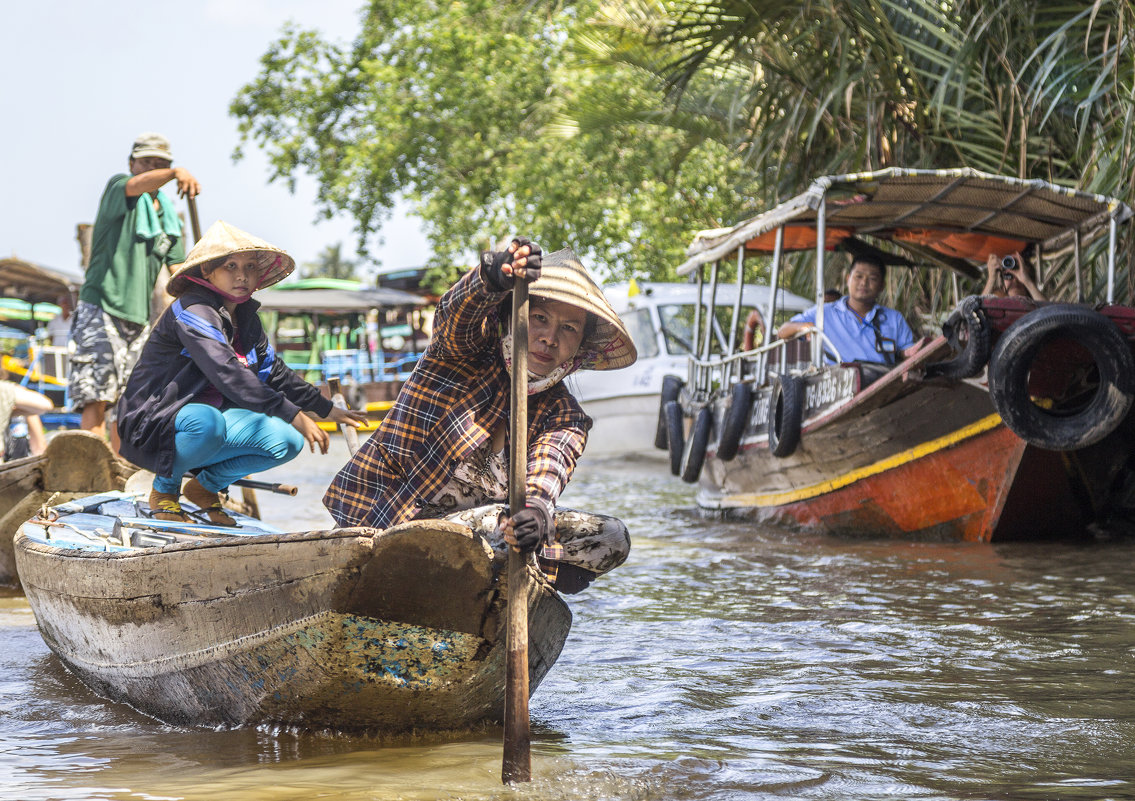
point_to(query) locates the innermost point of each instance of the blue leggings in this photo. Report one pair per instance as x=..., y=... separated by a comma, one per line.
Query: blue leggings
x=228, y=445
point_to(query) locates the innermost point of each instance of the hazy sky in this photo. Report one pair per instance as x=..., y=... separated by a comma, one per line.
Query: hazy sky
x=81, y=79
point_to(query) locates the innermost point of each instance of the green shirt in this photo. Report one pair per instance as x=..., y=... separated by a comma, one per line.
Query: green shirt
x=124, y=264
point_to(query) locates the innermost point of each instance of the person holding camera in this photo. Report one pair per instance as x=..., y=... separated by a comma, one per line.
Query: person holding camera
x=1010, y=276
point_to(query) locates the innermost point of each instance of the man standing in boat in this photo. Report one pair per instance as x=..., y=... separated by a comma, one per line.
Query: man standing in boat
x=137, y=232
x=858, y=327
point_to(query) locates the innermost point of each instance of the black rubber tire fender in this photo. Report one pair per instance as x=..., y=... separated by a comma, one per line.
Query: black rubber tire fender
x=671, y=388
x=785, y=415
x=736, y=418
x=675, y=435
x=969, y=317
x=1013, y=357
x=694, y=455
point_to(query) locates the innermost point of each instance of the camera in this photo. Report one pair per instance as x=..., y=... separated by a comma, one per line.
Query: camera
x=1009, y=263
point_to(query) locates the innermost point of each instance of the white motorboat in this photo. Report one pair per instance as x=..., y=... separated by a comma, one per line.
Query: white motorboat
x=661, y=319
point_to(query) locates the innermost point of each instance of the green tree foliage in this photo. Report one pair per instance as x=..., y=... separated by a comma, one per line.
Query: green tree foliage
x=1021, y=87
x=331, y=264
x=472, y=110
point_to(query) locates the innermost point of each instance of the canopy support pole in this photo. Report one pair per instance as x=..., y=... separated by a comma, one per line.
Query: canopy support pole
x=1111, y=235
x=1079, y=267
x=773, y=284
x=821, y=236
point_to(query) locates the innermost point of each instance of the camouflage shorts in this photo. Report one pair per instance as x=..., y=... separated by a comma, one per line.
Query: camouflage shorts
x=106, y=349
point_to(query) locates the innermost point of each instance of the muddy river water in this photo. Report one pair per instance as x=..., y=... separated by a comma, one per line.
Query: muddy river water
x=722, y=661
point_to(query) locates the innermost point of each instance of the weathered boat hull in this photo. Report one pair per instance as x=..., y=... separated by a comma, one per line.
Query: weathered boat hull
x=75, y=463
x=348, y=629
x=623, y=426
x=913, y=459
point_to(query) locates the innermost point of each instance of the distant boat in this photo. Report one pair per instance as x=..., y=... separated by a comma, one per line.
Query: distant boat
x=660, y=317
x=368, y=337
x=193, y=624
x=28, y=293
x=75, y=464
x=1015, y=422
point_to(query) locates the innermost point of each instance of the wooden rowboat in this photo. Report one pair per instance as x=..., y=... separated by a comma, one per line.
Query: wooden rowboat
x=354, y=628
x=75, y=464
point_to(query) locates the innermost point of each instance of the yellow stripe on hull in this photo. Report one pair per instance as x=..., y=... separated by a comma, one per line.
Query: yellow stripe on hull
x=371, y=408
x=891, y=462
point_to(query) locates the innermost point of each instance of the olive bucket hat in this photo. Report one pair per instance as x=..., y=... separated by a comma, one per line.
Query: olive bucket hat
x=564, y=278
x=223, y=240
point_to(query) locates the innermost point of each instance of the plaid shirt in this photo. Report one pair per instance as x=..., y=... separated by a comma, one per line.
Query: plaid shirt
x=456, y=397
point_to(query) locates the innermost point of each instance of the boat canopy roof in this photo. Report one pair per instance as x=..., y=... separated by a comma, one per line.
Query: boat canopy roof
x=333, y=301
x=954, y=217
x=34, y=283
x=624, y=295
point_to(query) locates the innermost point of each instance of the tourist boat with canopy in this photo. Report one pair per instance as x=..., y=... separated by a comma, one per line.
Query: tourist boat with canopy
x=659, y=317
x=1013, y=418
x=369, y=338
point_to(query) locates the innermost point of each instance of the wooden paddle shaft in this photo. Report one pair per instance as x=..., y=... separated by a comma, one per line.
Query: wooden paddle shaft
x=193, y=220
x=517, y=765
x=268, y=486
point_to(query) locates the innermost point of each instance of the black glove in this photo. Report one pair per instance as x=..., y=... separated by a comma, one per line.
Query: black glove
x=533, y=527
x=493, y=262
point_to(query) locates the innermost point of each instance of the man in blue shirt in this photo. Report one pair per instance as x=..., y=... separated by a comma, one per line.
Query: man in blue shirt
x=860, y=329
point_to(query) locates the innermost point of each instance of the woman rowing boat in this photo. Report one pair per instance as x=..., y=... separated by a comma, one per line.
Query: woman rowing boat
x=442, y=449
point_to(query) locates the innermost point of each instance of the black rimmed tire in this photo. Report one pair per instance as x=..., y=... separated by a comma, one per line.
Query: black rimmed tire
x=1065, y=426
x=785, y=415
x=969, y=331
x=675, y=435
x=671, y=388
x=736, y=418
x=694, y=456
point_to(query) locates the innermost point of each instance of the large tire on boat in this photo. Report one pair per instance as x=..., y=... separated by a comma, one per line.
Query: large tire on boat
x=671, y=388
x=785, y=415
x=675, y=435
x=736, y=418
x=968, y=320
x=1062, y=429
x=694, y=456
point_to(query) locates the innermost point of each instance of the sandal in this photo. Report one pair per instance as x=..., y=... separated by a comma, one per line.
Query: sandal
x=165, y=506
x=210, y=503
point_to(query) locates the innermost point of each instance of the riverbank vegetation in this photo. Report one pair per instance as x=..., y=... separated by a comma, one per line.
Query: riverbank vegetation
x=624, y=127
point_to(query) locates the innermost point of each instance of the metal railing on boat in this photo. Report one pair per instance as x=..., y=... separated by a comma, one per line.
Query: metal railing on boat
x=778, y=357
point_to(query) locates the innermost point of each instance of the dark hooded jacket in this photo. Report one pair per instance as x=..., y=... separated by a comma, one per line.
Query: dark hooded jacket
x=194, y=344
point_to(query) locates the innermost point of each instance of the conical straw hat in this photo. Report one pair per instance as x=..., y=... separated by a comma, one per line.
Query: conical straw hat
x=564, y=278
x=223, y=240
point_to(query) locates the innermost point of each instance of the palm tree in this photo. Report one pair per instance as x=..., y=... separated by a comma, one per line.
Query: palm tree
x=331, y=264
x=1020, y=87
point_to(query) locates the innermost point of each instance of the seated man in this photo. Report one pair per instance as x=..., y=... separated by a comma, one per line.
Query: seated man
x=859, y=328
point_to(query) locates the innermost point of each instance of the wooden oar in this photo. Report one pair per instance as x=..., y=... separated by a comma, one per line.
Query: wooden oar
x=267, y=486
x=196, y=223
x=517, y=764
x=337, y=399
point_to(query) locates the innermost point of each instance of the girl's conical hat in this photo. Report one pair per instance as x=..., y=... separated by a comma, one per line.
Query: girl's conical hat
x=563, y=277
x=223, y=240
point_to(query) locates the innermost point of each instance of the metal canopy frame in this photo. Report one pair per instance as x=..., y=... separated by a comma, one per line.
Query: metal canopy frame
x=886, y=204
x=907, y=207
